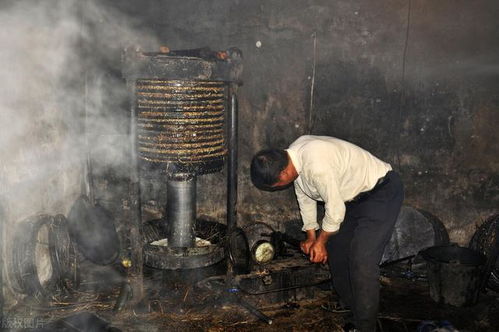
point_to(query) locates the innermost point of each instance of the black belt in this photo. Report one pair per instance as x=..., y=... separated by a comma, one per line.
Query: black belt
x=379, y=184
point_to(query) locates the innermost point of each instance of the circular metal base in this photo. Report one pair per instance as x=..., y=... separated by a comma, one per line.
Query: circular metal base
x=165, y=258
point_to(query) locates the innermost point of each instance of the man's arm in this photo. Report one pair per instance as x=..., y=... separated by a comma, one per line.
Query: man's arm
x=334, y=205
x=327, y=187
x=308, y=210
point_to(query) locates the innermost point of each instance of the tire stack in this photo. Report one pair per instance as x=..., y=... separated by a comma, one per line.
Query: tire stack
x=44, y=262
x=486, y=241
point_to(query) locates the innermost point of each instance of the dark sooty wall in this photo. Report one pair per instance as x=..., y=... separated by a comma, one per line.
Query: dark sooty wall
x=415, y=82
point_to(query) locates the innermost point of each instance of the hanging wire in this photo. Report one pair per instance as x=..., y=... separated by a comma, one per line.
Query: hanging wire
x=312, y=86
x=403, y=83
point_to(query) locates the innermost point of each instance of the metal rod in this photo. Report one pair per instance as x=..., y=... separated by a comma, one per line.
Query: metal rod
x=232, y=165
x=3, y=222
x=134, y=235
x=283, y=289
x=125, y=294
x=181, y=211
x=231, y=178
x=252, y=309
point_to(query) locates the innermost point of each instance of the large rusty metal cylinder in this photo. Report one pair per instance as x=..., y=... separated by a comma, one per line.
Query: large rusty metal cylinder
x=180, y=125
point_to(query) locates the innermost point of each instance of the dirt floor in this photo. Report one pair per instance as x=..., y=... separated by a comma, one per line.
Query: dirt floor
x=405, y=304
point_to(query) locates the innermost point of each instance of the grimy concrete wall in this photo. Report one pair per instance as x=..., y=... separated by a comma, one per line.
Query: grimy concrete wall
x=415, y=82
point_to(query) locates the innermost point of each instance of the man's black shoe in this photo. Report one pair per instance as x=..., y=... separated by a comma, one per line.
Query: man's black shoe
x=349, y=327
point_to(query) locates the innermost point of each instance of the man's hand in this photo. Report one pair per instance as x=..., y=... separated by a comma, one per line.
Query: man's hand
x=318, y=253
x=305, y=245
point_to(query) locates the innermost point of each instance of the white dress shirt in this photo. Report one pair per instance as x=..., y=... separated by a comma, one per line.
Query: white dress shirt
x=333, y=171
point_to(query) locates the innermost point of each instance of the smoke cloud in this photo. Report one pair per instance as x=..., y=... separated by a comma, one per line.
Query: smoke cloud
x=55, y=84
x=61, y=91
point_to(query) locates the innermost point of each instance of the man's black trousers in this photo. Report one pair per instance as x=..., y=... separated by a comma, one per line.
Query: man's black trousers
x=356, y=250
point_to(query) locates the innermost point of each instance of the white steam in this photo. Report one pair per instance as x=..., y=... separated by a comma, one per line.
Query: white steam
x=49, y=49
x=35, y=136
x=56, y=57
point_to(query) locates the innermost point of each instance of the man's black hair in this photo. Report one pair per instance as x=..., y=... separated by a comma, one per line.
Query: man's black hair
x=266, y=167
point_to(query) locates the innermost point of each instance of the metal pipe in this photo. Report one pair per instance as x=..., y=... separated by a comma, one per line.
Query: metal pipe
x=181, y=211
x=3, y=222
x=125, y=295
x=232, y=166
x=260, y=315
x=134, y=231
